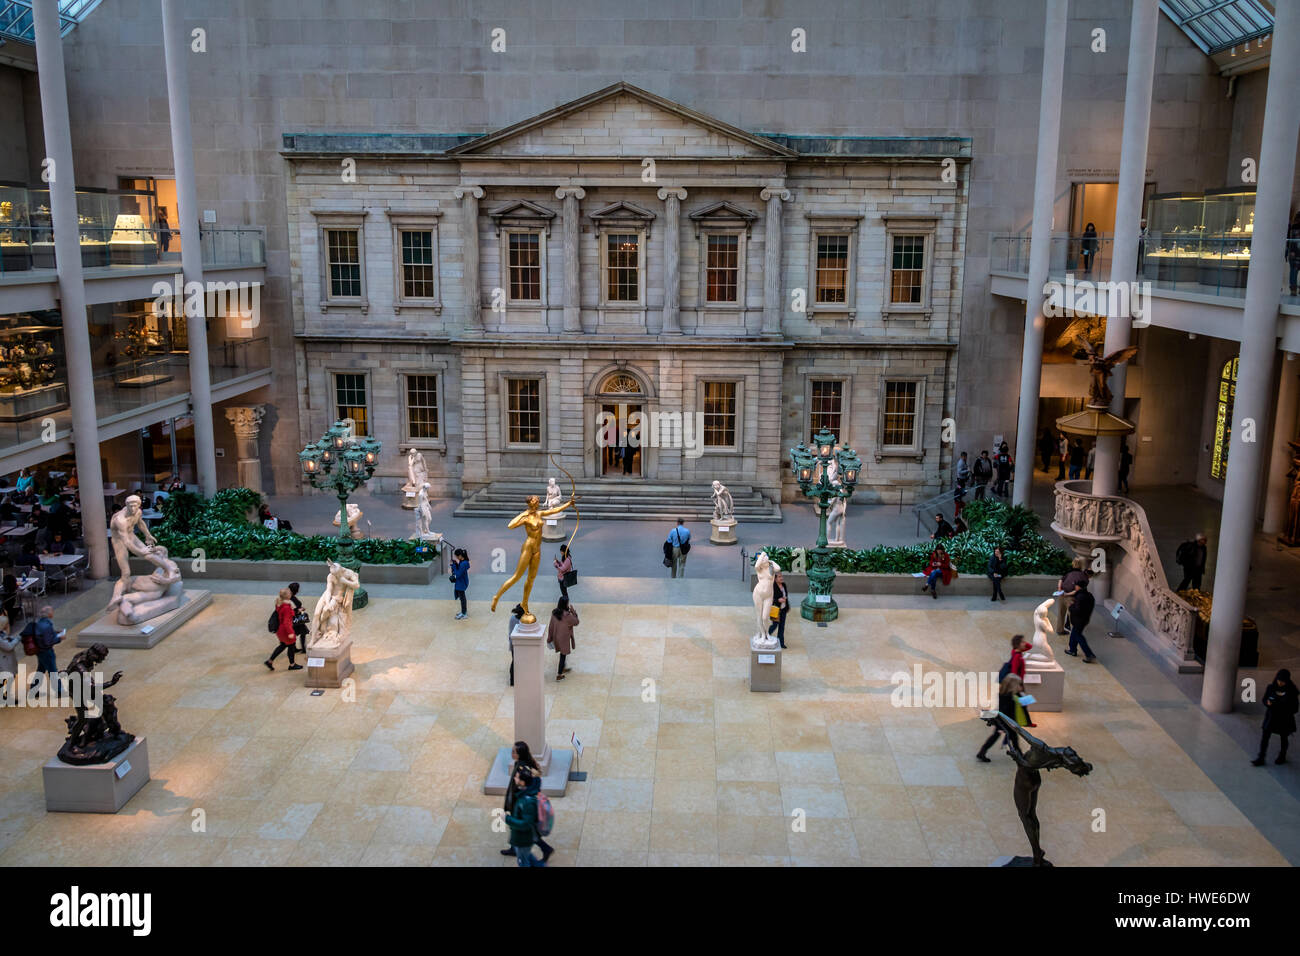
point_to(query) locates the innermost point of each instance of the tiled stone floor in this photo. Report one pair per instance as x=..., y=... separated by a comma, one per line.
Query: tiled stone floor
x=705, y=773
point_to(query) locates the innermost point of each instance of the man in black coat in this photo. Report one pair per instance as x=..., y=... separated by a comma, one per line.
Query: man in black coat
x=1191, y=557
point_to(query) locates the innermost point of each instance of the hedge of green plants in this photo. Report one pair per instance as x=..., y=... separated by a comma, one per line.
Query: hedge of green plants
x=991, y=523
x=221, y=527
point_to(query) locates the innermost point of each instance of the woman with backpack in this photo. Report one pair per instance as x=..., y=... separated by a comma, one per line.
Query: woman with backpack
x=301, y=621
x=1010, y=691
x=459, y=579
x=564, y=572
x=559, y=633
x=1281, y=700
x=281, y=624
x=523, y=820
x=523, y=759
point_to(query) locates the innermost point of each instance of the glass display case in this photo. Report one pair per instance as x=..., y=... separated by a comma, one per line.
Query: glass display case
x=142, y=345
x=15, y=232
x=1175, y=223
x=32, y=368
x=1229, y=224
x=1200, y=238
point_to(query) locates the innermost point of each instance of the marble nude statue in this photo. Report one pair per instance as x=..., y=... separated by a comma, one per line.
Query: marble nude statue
x=139, y=598
x=354, y=519
x=331, y=624
x=1041, y=651
x=417, y=472
x=724, y=508
x=835, y=521
x=423, y=513
x=765, y=571
x=553, y=494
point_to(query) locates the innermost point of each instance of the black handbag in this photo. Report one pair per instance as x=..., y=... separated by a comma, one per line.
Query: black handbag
x=570, y=577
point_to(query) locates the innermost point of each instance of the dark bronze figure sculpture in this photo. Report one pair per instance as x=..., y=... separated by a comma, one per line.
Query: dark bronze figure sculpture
x=1099, y=368
x=94, y=735
x=1030, y=764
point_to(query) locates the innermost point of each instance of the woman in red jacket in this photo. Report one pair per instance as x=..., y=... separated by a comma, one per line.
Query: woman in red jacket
x=939, y=567
x=287, y=638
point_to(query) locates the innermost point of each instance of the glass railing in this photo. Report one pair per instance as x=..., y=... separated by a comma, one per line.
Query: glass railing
x=235, y=357
x=1184, y=263
x=233, y=246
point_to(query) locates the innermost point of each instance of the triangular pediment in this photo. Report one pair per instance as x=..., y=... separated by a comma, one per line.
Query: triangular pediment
x=521, y=212
x=723, y=214
x=623, y=120
x=621, y=210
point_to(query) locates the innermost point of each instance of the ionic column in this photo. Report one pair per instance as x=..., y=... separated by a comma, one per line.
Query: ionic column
x=1255, y=381
x=1277, y=503
x=72, y=292
x=772, y=301
x=247, y=422
x=176, y=50
x=469, y=197
x=1040, y=243
x=672, y=197
x=1128, y=219
x=572, y=228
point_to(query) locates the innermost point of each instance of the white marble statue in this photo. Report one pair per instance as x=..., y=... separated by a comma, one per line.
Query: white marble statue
x=724, y=508
x=554, y=497
x=145, y=596
x=331, y=621
x=1041, y=651
x=417, y=472
x=835, y=522
x=354, y=519
x=765, y=570
x=423, y=513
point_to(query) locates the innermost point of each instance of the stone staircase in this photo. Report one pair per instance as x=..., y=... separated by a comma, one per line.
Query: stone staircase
x=623, y=500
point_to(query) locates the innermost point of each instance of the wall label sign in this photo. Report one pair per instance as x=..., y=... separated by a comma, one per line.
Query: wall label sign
x=315, y=662
x=122, y=769
x=1033, y=678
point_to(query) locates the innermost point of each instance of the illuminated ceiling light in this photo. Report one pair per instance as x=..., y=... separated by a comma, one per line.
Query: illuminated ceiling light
x=1234, y=52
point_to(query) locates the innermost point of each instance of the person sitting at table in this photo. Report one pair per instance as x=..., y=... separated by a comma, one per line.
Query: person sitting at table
x=72, y=481
x=8, y=510
x=175, y=484
x=27, y=554
x=24, y=485
x=59, y=545
x=38, y=518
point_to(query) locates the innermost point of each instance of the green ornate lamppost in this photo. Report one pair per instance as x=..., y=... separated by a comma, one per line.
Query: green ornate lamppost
x=341, y=462
x=824, y=473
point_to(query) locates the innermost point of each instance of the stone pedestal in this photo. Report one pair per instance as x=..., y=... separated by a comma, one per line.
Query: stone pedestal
x=408, y=497
x=555, y=781
x=108, y=632
x=724, y=531
x=1046, y=682
x=553, y=529
x=96, y=788
x=329, y=666
x=530, y=715
x=765, y=669
x=247, y=422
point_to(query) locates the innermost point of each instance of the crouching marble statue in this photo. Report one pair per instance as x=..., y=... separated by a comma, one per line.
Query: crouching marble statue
x=331, y=624
x=139, y=598
x=723, y=522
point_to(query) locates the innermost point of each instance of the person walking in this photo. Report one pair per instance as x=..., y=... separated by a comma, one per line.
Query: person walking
x=938, y=568
x=1125, y=464
x=1010, y=690
x=1062, y=455
x=459, y=578
x=1080, y=613
x=1066, y=585
x=522, y=820
x=997, y=571
x=1078, y=456
x=284, y=630
x=301, y=621
x=1191, y=556
x=516, y=615
x=1281, y=701
x=982, y=471
x=559, y=633
x=563, y=565
x=1088, y=246
x=1006, y=467
x=45, y=638
x=523, y=760
x=1015, y=666
x=780, y=607
x=677, y=547
x=963, y=471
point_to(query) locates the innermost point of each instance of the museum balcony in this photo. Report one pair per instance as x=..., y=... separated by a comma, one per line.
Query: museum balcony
x=1196, y=285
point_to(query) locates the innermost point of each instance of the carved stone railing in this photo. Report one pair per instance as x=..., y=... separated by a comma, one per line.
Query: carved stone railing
x=1138, y=579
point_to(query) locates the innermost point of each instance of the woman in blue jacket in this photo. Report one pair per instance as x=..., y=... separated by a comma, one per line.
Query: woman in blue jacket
x=460, y=580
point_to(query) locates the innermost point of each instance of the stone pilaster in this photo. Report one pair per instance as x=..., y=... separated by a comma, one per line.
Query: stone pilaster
x=469, y=197
x=672, y=197
x=572, y=287
x=247, y=422
x=772, y=301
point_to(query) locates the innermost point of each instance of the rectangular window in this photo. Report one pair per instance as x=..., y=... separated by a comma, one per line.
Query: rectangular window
x=826, y=408
x=622, y=267
x=350, y=401
x=723, y=268
x=417, y=264
x=907, y=267
x=343, y=257
x=422, y=406
x=832, y=269
x=900, y=415
x=525, y=250
x=719, y=414
x=524, y=409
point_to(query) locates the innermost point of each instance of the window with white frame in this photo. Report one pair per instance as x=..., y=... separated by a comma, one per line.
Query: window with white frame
x=826, y=407
x=832, y=266
x=417, y=264
x=907, y=266
x=341, y=240
x=832, y=278
x=622, y=268
x=524, y=265
x=909, y=248
x=524, y=411
x=422, y=419
x=350, y=400
x=719, y=414
x=722, y=268
x=415, y=259
x=900, y=417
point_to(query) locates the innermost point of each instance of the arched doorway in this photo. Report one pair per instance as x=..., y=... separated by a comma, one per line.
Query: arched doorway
x=622, y=404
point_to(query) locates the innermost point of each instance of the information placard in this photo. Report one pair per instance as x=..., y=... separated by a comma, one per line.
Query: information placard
x=315, y=662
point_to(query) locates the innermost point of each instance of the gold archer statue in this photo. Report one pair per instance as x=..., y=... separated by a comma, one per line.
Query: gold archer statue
x=530, y=554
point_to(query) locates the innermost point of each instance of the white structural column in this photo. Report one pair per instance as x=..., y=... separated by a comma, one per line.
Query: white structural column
x=72, y=293
x=1278, y=501
x=572, y=230
x=1040, y=245
x=1255, y=378
x=247, y=422
x=176, y=47
x=672, y=197
x=1128, y=220
x=469, y=197
x=773, y=304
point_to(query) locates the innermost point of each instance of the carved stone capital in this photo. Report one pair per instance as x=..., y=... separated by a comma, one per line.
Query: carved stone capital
x=460, y=192
x=775, y=192
x=677, y=192
x=246, y=420
x=566, y=192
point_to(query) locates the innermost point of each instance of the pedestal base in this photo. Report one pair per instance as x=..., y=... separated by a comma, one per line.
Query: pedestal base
x=329, y=666
x=108, y=632
x=96, y=788
x=408, y=497
x=555, y=780
x=553, y=530
x=1046, y=682
x=765, y=669
x=724, y=531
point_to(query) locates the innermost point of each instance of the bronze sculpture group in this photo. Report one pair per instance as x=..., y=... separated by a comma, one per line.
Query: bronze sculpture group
x=94, y=733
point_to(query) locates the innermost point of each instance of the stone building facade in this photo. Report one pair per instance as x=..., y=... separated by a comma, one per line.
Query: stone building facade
x=498, y=299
